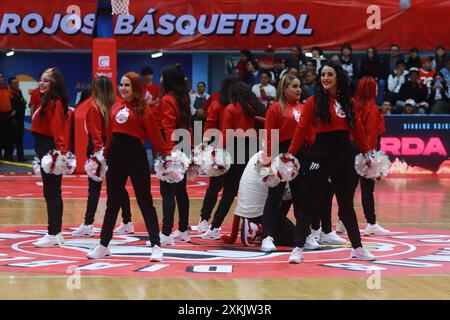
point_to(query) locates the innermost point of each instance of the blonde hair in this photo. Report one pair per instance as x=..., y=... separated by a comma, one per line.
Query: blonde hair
x=281, y=96
x=103, y=94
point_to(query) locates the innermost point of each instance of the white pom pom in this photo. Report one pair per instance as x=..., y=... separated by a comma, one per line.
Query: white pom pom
x=56, y=163
x=96, y=166
x=201, y=157
x=287, y=166
x=373, y=165
x=271, y=177
x=193, y=172
x=220, y=162
x=173, y=168
x=36, y=165
x=361, y=165
x=48, y=161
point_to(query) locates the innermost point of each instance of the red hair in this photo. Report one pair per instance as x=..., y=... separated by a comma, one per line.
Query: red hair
x=137, y=100
x=366, y=92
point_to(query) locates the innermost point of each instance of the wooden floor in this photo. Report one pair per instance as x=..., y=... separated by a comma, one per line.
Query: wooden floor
x=413, y=203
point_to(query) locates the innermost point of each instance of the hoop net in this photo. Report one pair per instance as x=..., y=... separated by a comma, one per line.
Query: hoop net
x=120, y=6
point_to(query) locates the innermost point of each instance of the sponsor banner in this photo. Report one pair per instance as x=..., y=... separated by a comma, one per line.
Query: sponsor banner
x=420, y=143
x=228, y=24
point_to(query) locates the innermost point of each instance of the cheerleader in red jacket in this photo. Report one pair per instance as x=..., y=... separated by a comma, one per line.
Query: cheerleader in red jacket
x=174, y=113
x=131, y=123
x=97, y=120
x=239, y=116
x=373, y=122
x=214, y=120
x=331, y=112
x=48, y=124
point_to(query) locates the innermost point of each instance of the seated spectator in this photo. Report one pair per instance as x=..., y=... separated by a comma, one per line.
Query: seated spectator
x=386, y=107
x=311, y=64
x=296, y=60
x=335, y=58
x=394, y=56
x=410, y=107
x=309, y=85
x=347, y=61
x=440, y=57
x=198, y=100
x=150, y=89
x=413, y=59
x=241, y=66
x=266, y=62
x=412, y=89
x=252, y=75
x=291, y=70
x=371, y=66
x=439, y=97
x=277, y=72
x=446, y=71
x=426, y=73
x=395, y=80
x=317, y=55
x=264, y=91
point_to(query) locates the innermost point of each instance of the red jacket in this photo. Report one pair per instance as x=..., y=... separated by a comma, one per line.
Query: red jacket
x=214, y=118
x=338, y=123
x=373, y=123
x=212, y=98
x=235, y=118
x=126, y=121
x=96, y=126
x=51, y=124
x=285, y=124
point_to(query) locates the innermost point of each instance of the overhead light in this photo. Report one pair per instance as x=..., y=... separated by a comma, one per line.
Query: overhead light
x=308, y=55
x=157, y=54
x=10, y=53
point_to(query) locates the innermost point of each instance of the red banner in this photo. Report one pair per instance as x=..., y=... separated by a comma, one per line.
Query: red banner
x=229, y=24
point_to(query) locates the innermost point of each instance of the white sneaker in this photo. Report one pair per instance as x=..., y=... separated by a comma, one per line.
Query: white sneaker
x=213, y=234
x=84, y=231
x=316, y=233
x=166, y=240
x=202, y=226
x=49, y=241
x=267, y=245
x=125, y=228
x=375, y=230
x=311, y=243
x=99, y=252
x=179, y=236
x=362, y=254
x=340, y=228
x=331, y=238
x=296, y=255
x=157, y=254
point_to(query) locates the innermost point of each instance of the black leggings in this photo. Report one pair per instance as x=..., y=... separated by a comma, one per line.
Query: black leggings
x=322, y=216
x=128, y=158
x=51, y=186
x=330, y=157
x=215, y=185
x=169, y=193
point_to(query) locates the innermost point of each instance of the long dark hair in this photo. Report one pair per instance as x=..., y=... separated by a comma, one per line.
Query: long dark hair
x=224, y=87
x=343, y=96
x=57, y=91
x=174, y=82
x=241, y=93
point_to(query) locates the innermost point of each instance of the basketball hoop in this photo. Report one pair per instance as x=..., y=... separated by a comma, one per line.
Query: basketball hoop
x=120, y=6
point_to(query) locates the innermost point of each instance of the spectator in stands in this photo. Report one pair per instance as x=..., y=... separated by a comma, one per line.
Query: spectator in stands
x=241, y=66
x=252, y=76
x=309, y=85
x=413, y=89
x=413, y=59
x=410, y=107
x=395, y=80
x=347, y=61
x=440, y=56
x=446, y=71
x=19, y=105
x=264, y=91
x=386, y=107
x=394, y=56
x=276, y=72
x=151, y=90
x=311, y=64
x=317, y=55
x=6, y=121
x=296, y=60
x=291, y=70
x=198, y=100
x=266, y=62
x=371, y=66
x=335, y=59
x=426, y=72
x=440, y=94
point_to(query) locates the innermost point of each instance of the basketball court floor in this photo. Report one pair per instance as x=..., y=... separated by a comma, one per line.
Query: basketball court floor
x=412, y=263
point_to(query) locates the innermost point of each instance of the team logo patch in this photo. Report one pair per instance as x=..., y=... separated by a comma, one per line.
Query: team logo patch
x=404, y=252
x=122, y=115
x=338, y=109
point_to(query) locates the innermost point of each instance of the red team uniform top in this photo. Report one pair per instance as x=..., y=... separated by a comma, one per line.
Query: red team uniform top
x=235, y=118
x=152, y=90
x=213, y=97
x=51, y=124
x=338, y=123
x=126, y=121
x=285, y=124
x=96, y=126
x=214, y=118
x=35, y=98
x=373, y=123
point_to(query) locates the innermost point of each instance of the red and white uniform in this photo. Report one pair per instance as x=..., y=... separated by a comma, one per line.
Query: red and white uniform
x=235, y=118
x=426, y=77
x=96, y=127
x=126, y=121
x=51, y=124
x=373, y=123
x=214, y=117
x=151, y=92
x=338, y=123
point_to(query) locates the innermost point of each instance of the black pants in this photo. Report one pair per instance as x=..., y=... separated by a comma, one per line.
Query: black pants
x=171, y=192
x=211, y=195
x=6, y=135
x=51, y=186
x=128, y=158
x=331, y=156
x=18, y=133
x=368, y=202
x=322, y=216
